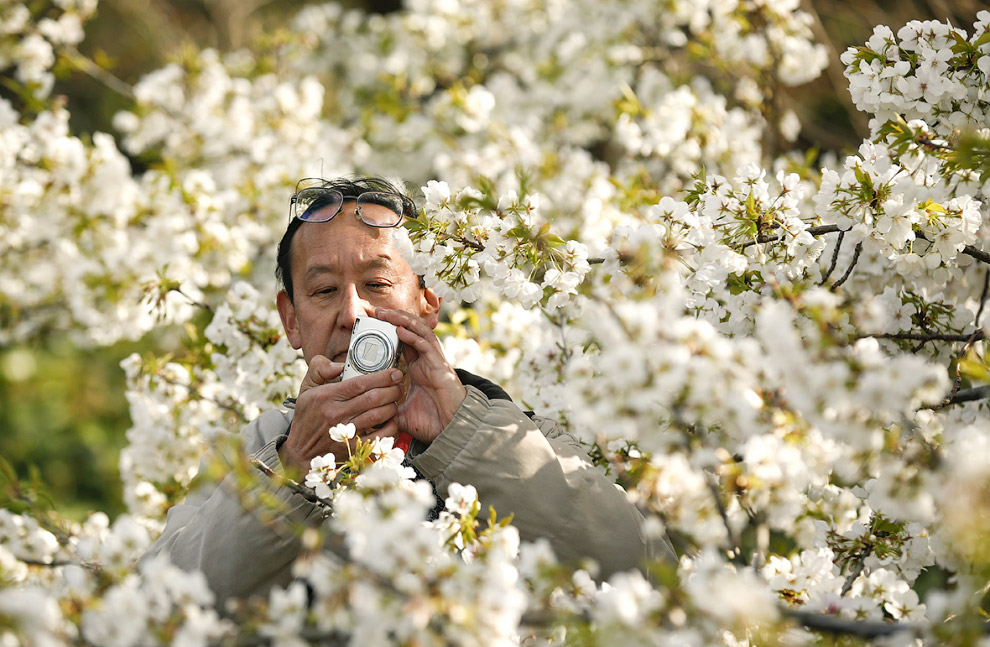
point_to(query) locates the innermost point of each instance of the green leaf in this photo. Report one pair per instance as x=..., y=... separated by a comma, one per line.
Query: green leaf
x=751, y=207
x=519, y=231
x=8, y=471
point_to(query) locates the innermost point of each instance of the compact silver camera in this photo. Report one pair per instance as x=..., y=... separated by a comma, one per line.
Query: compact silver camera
x=374, y=346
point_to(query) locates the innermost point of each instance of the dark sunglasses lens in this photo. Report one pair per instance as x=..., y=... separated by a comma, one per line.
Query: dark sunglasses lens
x=317, y=205
x=387, y=217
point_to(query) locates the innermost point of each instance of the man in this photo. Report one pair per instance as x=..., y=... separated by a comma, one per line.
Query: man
x=337, y=261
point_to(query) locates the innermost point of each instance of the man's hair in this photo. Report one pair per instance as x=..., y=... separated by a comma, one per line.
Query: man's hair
x=349, y=188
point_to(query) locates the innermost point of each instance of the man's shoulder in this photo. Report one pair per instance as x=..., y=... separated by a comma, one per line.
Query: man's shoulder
x=492, y=391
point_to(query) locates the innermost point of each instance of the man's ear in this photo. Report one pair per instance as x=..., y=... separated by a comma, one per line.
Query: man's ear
x=287, y=312
x=430, y=304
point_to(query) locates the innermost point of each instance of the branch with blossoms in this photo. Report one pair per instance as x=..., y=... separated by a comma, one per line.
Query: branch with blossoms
x=307, y=493
x=459, y=236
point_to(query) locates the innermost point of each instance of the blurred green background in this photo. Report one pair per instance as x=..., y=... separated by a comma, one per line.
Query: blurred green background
x=63, y=415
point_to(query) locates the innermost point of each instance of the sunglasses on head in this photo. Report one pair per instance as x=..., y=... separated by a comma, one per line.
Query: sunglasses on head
x=313, y=201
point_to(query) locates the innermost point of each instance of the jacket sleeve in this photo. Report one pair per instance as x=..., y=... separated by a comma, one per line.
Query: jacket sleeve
x=222, y=534
x=546, y=481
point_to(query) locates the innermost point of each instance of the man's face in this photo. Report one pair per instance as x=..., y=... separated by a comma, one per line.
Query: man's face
x=342, y=269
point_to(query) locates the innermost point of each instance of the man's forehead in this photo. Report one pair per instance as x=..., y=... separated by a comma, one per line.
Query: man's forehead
x=342, y=245
x=339, y=265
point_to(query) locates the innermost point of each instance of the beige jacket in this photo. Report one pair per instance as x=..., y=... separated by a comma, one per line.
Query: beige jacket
x=523, y=467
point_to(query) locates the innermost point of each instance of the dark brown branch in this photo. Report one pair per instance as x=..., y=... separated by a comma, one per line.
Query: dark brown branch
x=852, y=264
x=860, y=564
x=957, y=382
x=968, y=250
x=983, y=299
x=978, y=254
x=835, y=258
x=968, y=395
x=915, y=336
x=89, y=566
x=814, y=231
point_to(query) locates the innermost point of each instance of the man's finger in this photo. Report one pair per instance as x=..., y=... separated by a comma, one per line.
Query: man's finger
x=413, y=331
x=321, y=371
x=356, y=386
x=406, y=320
x=377, y=422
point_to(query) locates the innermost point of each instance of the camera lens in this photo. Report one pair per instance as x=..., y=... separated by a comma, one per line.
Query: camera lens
x=371, y=352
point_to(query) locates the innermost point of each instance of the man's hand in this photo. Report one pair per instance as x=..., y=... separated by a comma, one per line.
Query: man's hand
x=435, y=393
x=370, y=402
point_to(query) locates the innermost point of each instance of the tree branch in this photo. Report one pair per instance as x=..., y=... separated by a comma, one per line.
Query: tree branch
x=978, y=254
x=852, y=264
x=835, y=258
x=968, y=395
x=968, y=250
x=301, y=490
x=857, y=570
x=712, y=481
x=814, y=231
x=93, y=567
x=983, y=299
x=915, y=336
x=88, y=67
x=957, y=382
x=858, y=628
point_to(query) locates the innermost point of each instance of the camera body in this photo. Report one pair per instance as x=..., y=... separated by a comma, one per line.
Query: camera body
x=374, y=347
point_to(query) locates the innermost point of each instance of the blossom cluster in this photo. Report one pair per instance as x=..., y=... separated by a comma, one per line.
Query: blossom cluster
x=179, y=408
x=928, y=70
x=32, y=37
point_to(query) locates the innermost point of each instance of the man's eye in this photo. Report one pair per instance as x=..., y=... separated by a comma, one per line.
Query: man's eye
x=326, y=290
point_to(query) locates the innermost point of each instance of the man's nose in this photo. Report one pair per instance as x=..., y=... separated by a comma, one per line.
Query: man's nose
x=353, y=305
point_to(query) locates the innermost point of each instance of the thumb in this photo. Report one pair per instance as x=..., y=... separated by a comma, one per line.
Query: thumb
x=321, y=371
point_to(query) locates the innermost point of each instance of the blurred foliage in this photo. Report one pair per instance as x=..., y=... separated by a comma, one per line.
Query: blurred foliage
x=63, y=415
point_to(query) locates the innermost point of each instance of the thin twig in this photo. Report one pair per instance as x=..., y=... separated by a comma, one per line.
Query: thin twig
x=914, y=336
x=860, y=564
x=307, y=493
x=983, y=299
x=835, y=258
x=89, y=566
x=957, y=382
x=852, y=264
x=195, y=302
x=87, y=66
x=733, y=540
x=565, y=351
x=968, y=250
x=814, y=231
